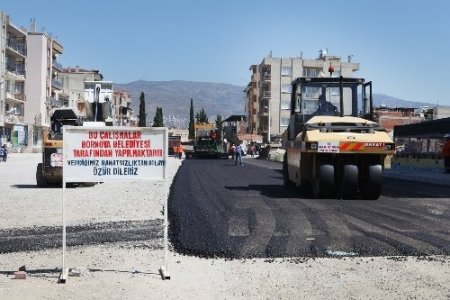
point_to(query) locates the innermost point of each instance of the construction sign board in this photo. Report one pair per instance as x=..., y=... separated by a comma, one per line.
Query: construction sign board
x=111, y=153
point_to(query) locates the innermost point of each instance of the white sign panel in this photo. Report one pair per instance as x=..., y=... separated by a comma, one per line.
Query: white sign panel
x=110, y=153
x=56, y=159
x=330, y=147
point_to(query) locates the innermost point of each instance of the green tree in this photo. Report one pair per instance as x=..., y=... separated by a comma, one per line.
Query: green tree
x=191, y=121
x=201, y=116
x=428, y=114
x=142, y=113
x=158, y=121
x=219, y=123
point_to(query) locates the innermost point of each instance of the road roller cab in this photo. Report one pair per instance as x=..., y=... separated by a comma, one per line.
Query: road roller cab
x=333, y=146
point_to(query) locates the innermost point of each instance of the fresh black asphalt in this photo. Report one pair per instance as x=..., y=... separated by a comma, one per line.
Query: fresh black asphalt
x=219, y=209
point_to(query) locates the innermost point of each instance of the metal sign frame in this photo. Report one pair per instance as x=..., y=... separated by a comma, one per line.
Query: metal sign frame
x=111, y=153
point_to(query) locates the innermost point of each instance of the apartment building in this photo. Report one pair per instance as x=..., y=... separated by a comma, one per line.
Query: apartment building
x=123, y=111
x=13, y=78
x=268, y=94
x=252, y=96
x=74, y=79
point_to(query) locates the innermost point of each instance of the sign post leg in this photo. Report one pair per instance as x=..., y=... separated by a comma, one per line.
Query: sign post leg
x=64, y=271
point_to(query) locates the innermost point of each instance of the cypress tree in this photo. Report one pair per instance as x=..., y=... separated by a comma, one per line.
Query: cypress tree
x=142, y=113
x=219, y=123
x=191, y=121
x=158, y=121
x=201, y=116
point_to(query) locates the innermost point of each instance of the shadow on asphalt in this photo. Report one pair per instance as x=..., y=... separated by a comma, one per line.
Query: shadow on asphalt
x=390, y=189
x=50, y=186
x=24, y=186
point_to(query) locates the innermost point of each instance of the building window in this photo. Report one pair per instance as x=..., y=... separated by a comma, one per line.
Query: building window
x=286, y=71
x=311, y=92
x=286, y=88
x=310, y=72
x=19, y=87
x=8, y=86
x=336, y=73
x=284, y=122
x=334, y=91
x=285, y=104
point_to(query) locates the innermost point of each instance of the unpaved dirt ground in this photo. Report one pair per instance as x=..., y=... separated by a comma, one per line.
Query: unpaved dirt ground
x=130, y=270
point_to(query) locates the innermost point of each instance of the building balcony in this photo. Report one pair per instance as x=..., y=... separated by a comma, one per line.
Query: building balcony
x=264, y=111
x=57, y=65
x=14, y=119
x=57, y=84
x=14, y=112
x=264, y=69
x=15, y=72
x=266, y=76
x=21, y=97
x=57, y=47
x=17, y=47
x=266, y=94
x=53, y=102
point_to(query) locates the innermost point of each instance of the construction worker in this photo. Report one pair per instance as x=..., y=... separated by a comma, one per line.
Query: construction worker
x=446, y=152
x=180, y=151
x=212, y=135
x=175, y=151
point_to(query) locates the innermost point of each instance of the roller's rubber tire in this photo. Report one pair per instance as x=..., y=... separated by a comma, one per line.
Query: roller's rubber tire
x=371, y=187
x=323, y=183
x=349, y=182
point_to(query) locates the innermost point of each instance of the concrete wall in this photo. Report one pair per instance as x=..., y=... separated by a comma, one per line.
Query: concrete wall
x=35, y=87
x=441, y=112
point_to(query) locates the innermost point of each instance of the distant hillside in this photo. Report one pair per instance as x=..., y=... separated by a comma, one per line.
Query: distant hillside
x=380, y=99
x=174, y=97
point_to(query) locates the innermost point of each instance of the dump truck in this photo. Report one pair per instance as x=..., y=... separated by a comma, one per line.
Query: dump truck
x=97, y=110
x=205, y=143
x=333, y=146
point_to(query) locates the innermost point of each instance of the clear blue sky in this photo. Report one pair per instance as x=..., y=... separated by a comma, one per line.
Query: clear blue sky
x=403, y=46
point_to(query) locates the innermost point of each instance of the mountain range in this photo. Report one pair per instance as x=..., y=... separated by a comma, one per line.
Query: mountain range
x=175, y=99
x=215, y=98
x=381, y=99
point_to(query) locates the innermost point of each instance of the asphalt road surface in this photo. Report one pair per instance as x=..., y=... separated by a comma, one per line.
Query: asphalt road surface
x=219, y=209
x=47, y=237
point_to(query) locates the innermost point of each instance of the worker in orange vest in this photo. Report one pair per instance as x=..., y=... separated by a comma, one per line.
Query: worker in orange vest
x=446, y=152
x=180, y=151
